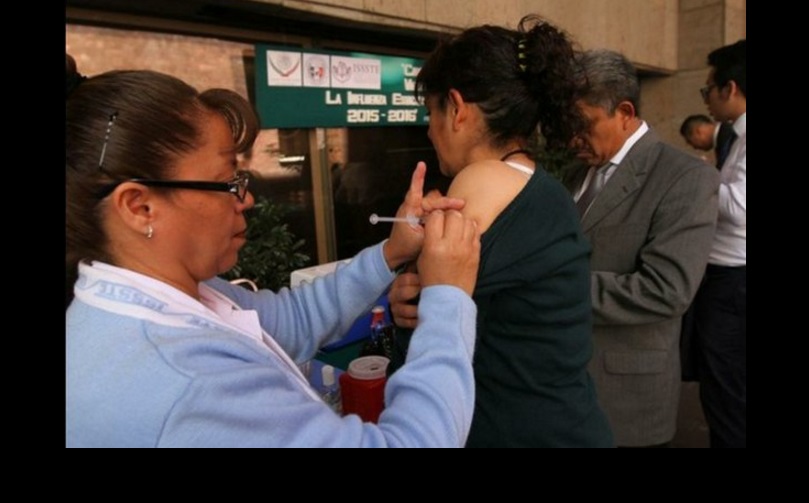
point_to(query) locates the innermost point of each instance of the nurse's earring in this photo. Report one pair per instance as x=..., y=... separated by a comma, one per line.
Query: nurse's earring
x=149, y=232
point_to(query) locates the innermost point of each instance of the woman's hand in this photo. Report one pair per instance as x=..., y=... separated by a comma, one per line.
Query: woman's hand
x=406, y=240
x=403, y=292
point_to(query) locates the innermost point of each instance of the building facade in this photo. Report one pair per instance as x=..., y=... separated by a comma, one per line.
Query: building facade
x=334, y=177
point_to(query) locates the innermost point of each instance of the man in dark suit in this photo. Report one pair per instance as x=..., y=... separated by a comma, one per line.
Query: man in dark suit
x=720, y=308
x=649, y=211
x=702, y=133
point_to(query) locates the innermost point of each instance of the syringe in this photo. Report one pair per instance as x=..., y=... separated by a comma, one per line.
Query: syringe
x=410, y=219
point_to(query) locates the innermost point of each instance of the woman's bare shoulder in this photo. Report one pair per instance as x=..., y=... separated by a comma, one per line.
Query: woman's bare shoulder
x=487, y=187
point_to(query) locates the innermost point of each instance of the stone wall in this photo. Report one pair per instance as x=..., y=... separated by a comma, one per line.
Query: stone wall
x=644, y=30
x=704, y=26
x=202, y=62
x=668, y=38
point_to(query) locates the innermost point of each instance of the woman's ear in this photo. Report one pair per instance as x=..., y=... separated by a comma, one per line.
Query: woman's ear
x=459, y=108
x=133, y=203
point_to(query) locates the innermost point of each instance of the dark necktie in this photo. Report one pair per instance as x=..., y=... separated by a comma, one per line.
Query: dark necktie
x=595, y=186
x=725, y=150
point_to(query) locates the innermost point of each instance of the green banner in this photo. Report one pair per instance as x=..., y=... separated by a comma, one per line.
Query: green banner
x=298, y=87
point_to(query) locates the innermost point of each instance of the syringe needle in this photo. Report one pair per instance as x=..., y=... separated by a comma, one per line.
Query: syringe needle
x=410, y=219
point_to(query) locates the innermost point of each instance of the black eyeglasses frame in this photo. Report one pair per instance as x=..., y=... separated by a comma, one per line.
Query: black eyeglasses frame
x=706, y=90
x=237, y=186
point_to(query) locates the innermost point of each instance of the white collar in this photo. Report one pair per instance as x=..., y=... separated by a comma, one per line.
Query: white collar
x=740, y=125
x=629, y=143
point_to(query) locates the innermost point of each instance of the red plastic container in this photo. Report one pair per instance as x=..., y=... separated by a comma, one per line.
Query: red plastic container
x=363, y=387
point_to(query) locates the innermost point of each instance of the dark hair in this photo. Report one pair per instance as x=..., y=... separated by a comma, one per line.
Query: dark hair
x=158, y=118
x=606, y=78
x=517, y=78
x=730, y=63
x=692, y=121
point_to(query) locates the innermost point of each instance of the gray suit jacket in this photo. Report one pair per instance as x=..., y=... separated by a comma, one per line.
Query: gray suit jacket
x=651, y=230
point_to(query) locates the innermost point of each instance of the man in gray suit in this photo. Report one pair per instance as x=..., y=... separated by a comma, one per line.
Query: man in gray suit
x=649, y=211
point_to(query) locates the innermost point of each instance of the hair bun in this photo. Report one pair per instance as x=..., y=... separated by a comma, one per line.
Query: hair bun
x=72, y=77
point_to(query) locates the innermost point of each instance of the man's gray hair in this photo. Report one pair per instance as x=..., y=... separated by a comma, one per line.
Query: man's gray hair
x=607, y=78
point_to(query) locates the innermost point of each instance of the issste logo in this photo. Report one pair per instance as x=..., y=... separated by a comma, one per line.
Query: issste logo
x=341, y=71
x=356, y=73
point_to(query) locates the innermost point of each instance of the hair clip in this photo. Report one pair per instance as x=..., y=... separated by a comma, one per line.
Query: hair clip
x=521, y=55
x=113, y=116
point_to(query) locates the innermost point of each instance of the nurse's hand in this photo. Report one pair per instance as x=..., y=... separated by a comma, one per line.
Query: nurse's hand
x=451, y=252
x=406, y=240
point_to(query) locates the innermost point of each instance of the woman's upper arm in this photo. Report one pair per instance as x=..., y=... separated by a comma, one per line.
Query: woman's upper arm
x=487, y=190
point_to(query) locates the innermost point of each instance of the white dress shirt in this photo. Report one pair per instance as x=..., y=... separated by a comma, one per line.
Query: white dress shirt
x=730, y=240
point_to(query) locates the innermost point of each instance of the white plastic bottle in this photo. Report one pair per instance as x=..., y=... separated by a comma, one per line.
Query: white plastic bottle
x=330, y=391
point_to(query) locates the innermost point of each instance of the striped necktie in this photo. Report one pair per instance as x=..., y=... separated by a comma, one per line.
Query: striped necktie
x=595, y=186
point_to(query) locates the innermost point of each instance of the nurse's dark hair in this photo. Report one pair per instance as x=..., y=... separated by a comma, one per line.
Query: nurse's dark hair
x=518, y=78
x=144, y=122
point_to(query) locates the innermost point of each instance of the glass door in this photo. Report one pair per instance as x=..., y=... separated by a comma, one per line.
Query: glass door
x=370, y=169
x=281, y=166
